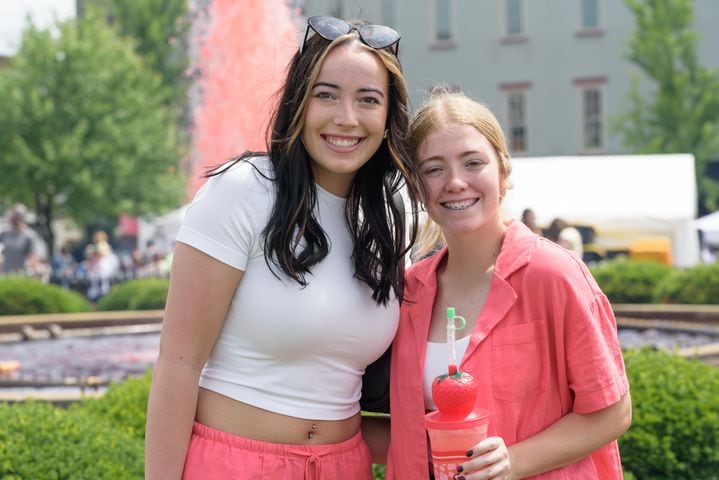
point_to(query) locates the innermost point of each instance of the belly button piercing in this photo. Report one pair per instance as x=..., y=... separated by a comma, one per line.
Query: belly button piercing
x=311, y=433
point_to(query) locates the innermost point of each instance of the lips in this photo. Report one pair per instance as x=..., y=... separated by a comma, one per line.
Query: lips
x=460, y=205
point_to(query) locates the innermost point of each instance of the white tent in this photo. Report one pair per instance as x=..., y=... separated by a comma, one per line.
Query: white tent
x=161, y=230
x=709, y=225
x=624, y=197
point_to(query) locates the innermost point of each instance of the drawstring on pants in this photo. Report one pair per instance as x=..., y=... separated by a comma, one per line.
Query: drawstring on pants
x=313, y=468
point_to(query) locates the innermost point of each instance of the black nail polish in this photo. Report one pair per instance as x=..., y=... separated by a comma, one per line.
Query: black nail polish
x=469, y=453
x=460, y=478
x=460, y=468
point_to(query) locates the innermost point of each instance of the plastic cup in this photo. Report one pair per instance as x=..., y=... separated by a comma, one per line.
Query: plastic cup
x=450, y=439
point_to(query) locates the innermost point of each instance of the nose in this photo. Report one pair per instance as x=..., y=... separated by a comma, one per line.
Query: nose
x=455, y=181
x=345, y=115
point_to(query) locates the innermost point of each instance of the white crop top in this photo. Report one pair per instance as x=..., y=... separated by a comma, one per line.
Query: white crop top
x=284, y=348
x=435, y=363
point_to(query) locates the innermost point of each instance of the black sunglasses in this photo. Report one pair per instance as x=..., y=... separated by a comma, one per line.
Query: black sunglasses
x=375, y=36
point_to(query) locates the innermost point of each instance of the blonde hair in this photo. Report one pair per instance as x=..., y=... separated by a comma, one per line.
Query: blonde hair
x=447, y=106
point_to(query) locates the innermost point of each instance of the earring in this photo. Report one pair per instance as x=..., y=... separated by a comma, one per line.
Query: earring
x=385, y=133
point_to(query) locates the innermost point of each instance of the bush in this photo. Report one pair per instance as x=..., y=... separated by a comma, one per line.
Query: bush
x=25, y=296
x=675, y=426
x=629, y=281
x=124, y=405
x=696, y=285
x=141, y=294
x=38, y=440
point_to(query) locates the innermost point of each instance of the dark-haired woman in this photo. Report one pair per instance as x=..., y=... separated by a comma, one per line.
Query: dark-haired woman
x=285, y=282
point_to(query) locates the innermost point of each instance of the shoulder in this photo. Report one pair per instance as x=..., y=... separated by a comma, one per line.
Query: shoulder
x=247, y=171
x=248, y=177
x=554, y=266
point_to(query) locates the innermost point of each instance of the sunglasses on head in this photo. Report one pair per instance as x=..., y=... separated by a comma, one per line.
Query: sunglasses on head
x=375, y=36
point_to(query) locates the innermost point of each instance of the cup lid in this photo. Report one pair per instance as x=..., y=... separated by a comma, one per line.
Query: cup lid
x=437, y=420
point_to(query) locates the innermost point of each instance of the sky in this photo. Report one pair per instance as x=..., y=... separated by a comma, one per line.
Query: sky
x=13, y=18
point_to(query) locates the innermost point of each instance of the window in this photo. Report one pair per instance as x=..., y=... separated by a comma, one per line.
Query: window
x=516, y=121
x=589, y=14
x=515, y=108
x=592, y=118
x=442, y=20
x=387, y=7
x=514, y=17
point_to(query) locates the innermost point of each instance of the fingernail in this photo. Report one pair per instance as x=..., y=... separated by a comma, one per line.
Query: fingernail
x=460, y=478
x=469, y=453
x=460, y=468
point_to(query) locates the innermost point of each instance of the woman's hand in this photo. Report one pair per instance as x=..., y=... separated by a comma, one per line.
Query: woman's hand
x=489, y=460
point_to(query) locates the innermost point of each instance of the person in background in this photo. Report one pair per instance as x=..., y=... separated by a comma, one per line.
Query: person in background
x=530, y=220
x=561, y=232
x=17, y=243
x=286, y=281
x=540, y=339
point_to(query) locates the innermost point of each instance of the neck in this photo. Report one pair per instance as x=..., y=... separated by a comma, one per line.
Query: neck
x=471, y=256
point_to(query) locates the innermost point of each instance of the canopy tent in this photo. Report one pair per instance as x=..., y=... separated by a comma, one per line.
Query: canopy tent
x=709, y=226
x=161, y=230
x=623, y=197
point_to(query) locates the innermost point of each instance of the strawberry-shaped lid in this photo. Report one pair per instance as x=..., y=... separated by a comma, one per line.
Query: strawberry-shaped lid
x=455, y=392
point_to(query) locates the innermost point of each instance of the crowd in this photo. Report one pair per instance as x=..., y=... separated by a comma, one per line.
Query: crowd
x=91, y=270
x=558, y=231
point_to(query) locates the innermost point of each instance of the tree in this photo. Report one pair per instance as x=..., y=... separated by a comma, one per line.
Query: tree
x=682, y=114
x=159, y=28
x=85, y=130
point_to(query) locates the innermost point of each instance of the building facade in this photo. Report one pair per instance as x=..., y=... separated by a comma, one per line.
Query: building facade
x=555, y=72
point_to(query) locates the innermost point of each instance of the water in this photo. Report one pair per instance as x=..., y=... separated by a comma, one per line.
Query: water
x=115, y=357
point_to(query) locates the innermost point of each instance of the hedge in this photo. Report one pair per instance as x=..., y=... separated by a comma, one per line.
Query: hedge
x=39, y=441
x=629, y=281
x=26, y=295
x=696, y=285
x=140, y=294
x=675, y=417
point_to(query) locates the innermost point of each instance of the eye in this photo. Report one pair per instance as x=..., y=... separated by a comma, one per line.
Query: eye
x=324, y=95
x=370, y=100
x=474, y=163
x=431, y=170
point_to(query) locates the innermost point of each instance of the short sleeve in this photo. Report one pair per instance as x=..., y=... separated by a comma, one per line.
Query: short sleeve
x=226, y=218
x=594, y=358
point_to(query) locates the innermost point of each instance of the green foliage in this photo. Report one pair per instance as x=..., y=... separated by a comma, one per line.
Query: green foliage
x=682, y=115
x=159, y=29
x=675, y=425
x=696, y=285
x=124, y=405
x=629, y=281
x=140, y=294
x=25, y=295
x=39, y=441
x=91, y=133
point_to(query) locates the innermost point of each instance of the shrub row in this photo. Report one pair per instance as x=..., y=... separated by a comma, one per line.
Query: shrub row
x=674, y=432
x=632, y=281
x=26, y=296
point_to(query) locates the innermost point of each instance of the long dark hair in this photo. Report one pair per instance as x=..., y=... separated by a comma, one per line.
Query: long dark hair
x=375, y=219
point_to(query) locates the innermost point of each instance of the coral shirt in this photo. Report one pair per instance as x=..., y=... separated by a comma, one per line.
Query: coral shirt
x=544, y=345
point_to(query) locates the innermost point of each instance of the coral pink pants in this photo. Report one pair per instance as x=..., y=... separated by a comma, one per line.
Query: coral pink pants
x=216, y=455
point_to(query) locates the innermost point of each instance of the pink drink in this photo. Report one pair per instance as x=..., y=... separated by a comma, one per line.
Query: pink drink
x=450, y=439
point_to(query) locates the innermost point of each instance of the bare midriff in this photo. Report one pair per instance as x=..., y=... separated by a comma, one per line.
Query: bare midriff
x=223, y=413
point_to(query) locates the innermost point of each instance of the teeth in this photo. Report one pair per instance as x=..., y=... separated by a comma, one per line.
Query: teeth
x=459, y=205
x=342, y=143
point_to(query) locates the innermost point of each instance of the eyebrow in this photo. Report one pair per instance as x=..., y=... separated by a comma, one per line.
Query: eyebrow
x=466, y=153
x=362, y=89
